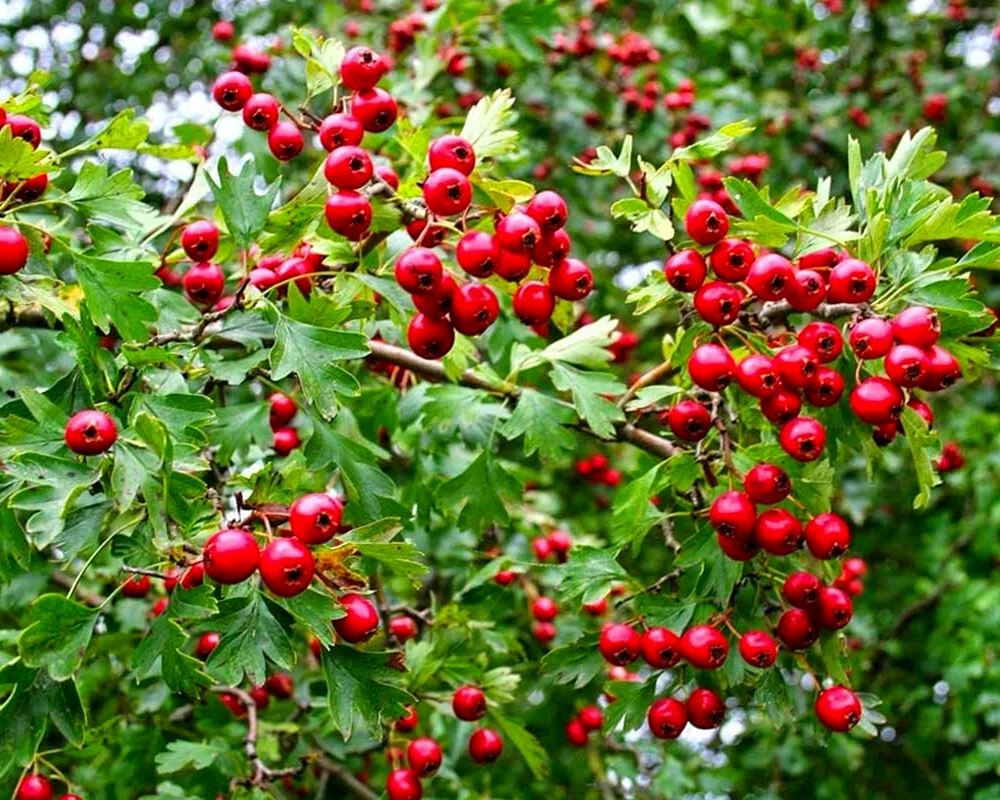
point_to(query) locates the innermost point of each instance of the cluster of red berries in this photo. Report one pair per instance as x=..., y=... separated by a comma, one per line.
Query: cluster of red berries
x=951, y=459
x=633, y=50
x=851, y=573
x=36, y=787
x=587, y=720
x=280, y=685
x=579, y=43
x=423, y=755
x=281, y=412
x=14, y=248
x=245, y=59
x=597, y=470
x=204, y=281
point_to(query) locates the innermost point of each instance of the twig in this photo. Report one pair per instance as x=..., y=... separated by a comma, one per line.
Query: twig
x=782, y=309
x=346, y=778
x=148, y=572
x=65, y=581
x=663, y=370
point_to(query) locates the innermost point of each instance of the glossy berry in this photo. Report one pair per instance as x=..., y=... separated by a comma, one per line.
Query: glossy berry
x=905, y=365
x=591, y=718
x=598, y=608
x=477, y=253
x=280, y=685
x=806, y=290
x=453, y=152
x=943, y=370
x=485, y=746
x=620, y=644
x=797, y=630
x=705, y=709
x=13, y=250
x=206, y=644
x=403, y=628
x=718, y=303
x=348, y=213
x=544, y=632
x=918, y=326
x=704, y=647
x=778, y=532
x=827, y=536
x=667, y=718
x=825, y=388
x=200, y=240
x=424, y=756
x=871, y=338
x=281, y=410
x=408, y=722
x=796, y=365
x=231, y=556
x=231, y=90
x=285, y=440
x=315, y=518
x=474, y=307
x=549, y=210
x=733, y=515
x=34, y=787
x=469, y=703
x=575, y=733
x=834, y=608
x=339, y=130
x=512, y=266
x=90, y=432
x=348, y=167
x=571, y=279
x=737, y=549
x=924, y=411
x=285, y=141
x=204, y=283
x=711, y=367
x=824, y=339
x=261, y=112
x=801, y=589
x=518, y=233
x=223, y=31
x=877, y=401
x=360, y=620
x=447, y=192
x=193, y=576
x=437, y=302
x=758, y=649
x=731, y=260
x=689, y=420
x=25, y=128
x=430, y=338
x=803, y=438
x=544, y=609
x=685, y=270
x=851, y=281
x=286, y=566
x=375, y=109
x=552, y=248
x=838, y=709
x=771, y=276
x=706, y=222
x=534, y=303
x=767, y=484
x=661, y=648
x=403, y=784
x=781, y=407
x=418, y=270
x=362, y=68
x=136, y=586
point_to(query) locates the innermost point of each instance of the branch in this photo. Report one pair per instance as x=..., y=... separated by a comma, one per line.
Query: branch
x=780, y=310
x=346, y=778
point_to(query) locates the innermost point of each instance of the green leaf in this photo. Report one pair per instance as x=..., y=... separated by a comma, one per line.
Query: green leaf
x=323, y=57
x=123, y=132
x=588, y=390
x=181, y=672
x=505, y=194
x=249, y=632
x=772, y=694
x=367, y=485
x=487, y=128
x=654, y=292
x=711, y=146
x=361, y=689
x=483, y=485
x=535, y=756
x=657, y=181
x=116, y=198
x=607, y=163
x=59, y=635
x=719, y=572
x=400, y=558
x=590, y=574
x=541, y=420
x=18, y=159
x=632, y=513
x=632, y=702
x=51, y=485
x=919, y=438
x=243, y=208
x=526, y=22
x=181, y=755
x=586, y=346
x=112, y=290
x=315, y=610
x=579, y=662
x=666, y=611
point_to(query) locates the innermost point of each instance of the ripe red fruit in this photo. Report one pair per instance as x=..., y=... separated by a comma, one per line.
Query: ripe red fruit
x=827, y=536
x=767, y=484
x=204, y=283
x=575, y=733
x=549, y=210
x=474, y=307
x=453, y=152
x=136, y=586
x=533, y=303
x=424, y=756
x=430, y=236
x=778, y=532
x=943, y=370
x=705, y=709
x=362, y=68
x=206, y=644
x=757, y=376
x=338, y=130
x=403, y=628
x=469, y=703
x=834, y=608
x=437, y=302
x=375, y=109
x=159, y=608
x=223, y=31
x=591, y=718
x=90, y=432
x=711, y=367
x=667, y=718
x=731, y=260
x=286, y=566
x=796, y=365
x=26, y=128
x=348, y=167
x=737, y=549
x=706, y=222
x=447, y=192
x=571, y=279
x=200, y=240
x=598, y=608
x=485, y=746
x=34, y=787
x=871, y=338
x=819, y=259
x=315, y=518
x=806, y=290
x=544, y=609
x=403, y=784
x=620, y=644
x=512, y=266
x=733, y=514
x=851, y=281
x=771, y=276
x=718, y=303
x=544, y=632
x=559, y=543
x=758, y=649
x=923, y=410
x=193, y=577
x=661, y=648
x=231, y=556
x=918, y=326
x=781, y=407
x=13, y=250
x=408, y=722
x=360, y=620
x=704, y=647
x=551, y=248
x=430, y=338
x=803, y=438
x=686, y=270
x=825, y=388
x=796, y=629
x=348, y=213
x=285, y=440
x=282, y=409
x=838, y=709
x=689, y=420
x=261, y=112
x=418, y=270
x=234, y=704
x=387, y=174
x=477, y=253
x=801, y=589
x=231, y=90
x=518, y=233
x=823, y=339
x=877, y=401
x=285, y=141
x=280, y=685
x=905, y=365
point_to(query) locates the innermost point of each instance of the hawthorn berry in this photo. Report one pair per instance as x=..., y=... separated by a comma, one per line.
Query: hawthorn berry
x=437, y=302
x=718, y=303
x=348, y=213
x=418, y=270
x=797, y=630
x=262, y=279
x=689, y=420
x=340, y=130
x=758, y=649
x=315, y=518
x=282, y=409
x=362, y=68
x=452, y=151
x=474, y=307
x=756, y=375
x=685, y=270
x=871, y=338
x=796, y=365
x=705, y=709
x=34, y=787
x=544, y=632
x=408, y=722
x=204, y=283
x=136, y=586
x=781, y=407
x=767, y=484
x=544, y=609
x=838, y=709
x=285, y=440
x=825, y=388
x=193, y=576
x=824, y=339
x=206, y=644
x=591, y=718
x=387, y=174
x=576, y=735
x=541, y=547
x=851, y=281
x=447, y=192
x=778, y=532
x=231, y=556
x=942, y=370
x=260, y=113
x=286, y=566
x=403, y=628
x=424, y=756
x=571, y=279
x=704, y=647
x=620, y=644
x=823, y=258
x=918, y=326
x=706, y=222
x=549, y=210
x=280, y=685
x=200, y=240
x=598, y=608
x=223, y=31
x=827, y=536
x=348, y=167
x=469, y=703
x=731, y=260
x=733, y=515
x=770, y=276
x=803, y=438
x=711, y=367
x=806, y=290
x=534, y=303
x=667, y=718
x=877, y=401
x=905, y=365
x=477, y=253
x=22, y=127
x=552, y=248
x=485, y=746
x=429, y=337
x=403, y=784
x=423, y=233
x=231, y=90
x=661, y=647
x=261, y=698
x=559, y=543
x=801, y=589
x=360, y=620
x=285, y=140
x=159, y=608
x=512, y=266
x=233, y=703
x=834, y=608
x=923, y=410
x=90, y=432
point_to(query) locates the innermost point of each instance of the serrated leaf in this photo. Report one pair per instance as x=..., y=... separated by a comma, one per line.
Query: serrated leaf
x=400, y=558
x=531, y=750
x=588, y=390
x=361, y=688
x=919, y=438
x=18, y=159
x=115, y=198
x=123, y=132
x=586, y=346
x=579, y=662
x=590, y=574
x=541, y=420
x=59, y=635
x=632, y=702
x=486, y=125
x=607, y=163
x=482, y=486
x=181, y=755
x=713, y=145
x=244, y=209
x=249, y=632
x=112, y=290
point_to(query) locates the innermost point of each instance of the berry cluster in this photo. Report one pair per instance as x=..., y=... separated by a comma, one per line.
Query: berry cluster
x=280, y=685
x=37, y=787
x=281, y=412
x=597, y=470
x=587, y=720
x=14, y=250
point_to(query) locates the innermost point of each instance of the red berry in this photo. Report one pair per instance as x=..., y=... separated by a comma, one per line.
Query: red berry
x=22, y=127
x=90, y=432
x=571, y=279
x=796, y=365
x=591, y=718
x=918, y=326
x=261, y=112
x=834, y=608
x=731, y=260
x=447, y=192
x=706, y=222
x=204, y=283
x=823, y=339
x=827, y=536
x=13, y=250
x=360, y=620
x=349, y=214
x=551, y=248
x=801, y=589
x=771, y=276
x=758, y=649
x=477, y=253
x=767, y=484
x=667, y=718
x=544, y=632
x=136, y=586
x=231, y=556
x=193, y=577
x=689, y=420
x=877, y=401
x=871, y=338
x=280, y=685
x=796, y=629
x=315, y=518
x=453, y=152
x=781, y=407
x=923, y=410
x=474, y=307
x=661, y=648
x=200, y=240
x=704, y=647
x=544, y=609
x=778, y=532
x=806, y=290
x=408, y=722
x=403, y=628
x=818, y=259
x=261, y=699
x=285, y=141
x=838, y=709
x=534, y=303
x=560, y=543
x=388, y=175
x=206, y=644
x=705, y=709
x=418, y=270
x=619, y=644
x=223, y=31
x=437, y=302
x=757, y=376
x=733, y=515
x=469, y=703
x=159, y=608
x=282, y=409
x=231, y=90
x=737, y=549
x=826, y=388
x=851, y=281
x=718, y=303
x=485, y=746
x=803, y=438
x=549, y=210
x=686, y=270
x=430, y=236
x=285, y=440
x=338, y=130
x=905, y=365
x=234, y=704
x=362, y=68
x=512, y=266
x=403, y=784
x=34, y=787
x=348, y=167
x=286, y=566
x=375, y=109
x=518, y=233
x=575, y=734
x=430, y=338
x=943, y=369
x=711, y=367
x=424, y=756
x=598, y=608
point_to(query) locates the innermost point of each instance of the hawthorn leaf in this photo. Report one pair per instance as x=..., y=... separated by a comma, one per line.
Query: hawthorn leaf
x=181, y=755
x=487, y=125
x=249, y=631
x=361, y=690
x=542, y=421
x=531, y=750
x=579, y=662
x=243, y=207
x=59, y=635
x=483, y=485
x=590, y=574
x=588, y=390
